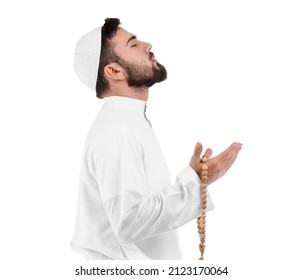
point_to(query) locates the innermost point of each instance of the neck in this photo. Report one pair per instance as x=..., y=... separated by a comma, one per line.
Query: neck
x=136, y=93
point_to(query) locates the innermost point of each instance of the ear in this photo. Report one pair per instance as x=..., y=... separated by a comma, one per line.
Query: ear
x=114, y=71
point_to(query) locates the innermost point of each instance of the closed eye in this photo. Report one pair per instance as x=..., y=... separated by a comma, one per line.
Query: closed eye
x=131, y=38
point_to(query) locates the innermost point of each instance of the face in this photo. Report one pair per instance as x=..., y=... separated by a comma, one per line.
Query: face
x=138, y=62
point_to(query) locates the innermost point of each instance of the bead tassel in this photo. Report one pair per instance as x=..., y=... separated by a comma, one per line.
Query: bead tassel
x=201, y=221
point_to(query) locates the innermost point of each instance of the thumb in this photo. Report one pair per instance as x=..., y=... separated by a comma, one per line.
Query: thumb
x=197, y=152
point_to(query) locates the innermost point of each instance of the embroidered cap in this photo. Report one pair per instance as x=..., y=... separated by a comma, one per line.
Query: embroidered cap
x=87, y=56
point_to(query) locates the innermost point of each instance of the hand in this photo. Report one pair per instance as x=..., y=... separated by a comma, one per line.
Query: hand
x=218, y=165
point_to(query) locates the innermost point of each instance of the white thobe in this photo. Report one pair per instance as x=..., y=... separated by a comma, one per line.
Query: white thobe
x=127, y=206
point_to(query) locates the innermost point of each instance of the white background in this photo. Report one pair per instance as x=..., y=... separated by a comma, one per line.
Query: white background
x=235, y=72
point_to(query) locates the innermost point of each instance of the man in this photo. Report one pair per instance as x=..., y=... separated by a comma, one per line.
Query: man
x=127, y=206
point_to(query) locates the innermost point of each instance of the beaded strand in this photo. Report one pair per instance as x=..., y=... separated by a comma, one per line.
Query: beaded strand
x=201, y=221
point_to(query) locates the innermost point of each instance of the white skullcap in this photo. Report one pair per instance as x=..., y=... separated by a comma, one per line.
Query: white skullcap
x=87, y=56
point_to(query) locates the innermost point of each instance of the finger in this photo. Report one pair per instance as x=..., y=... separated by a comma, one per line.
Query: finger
x=208, y=153
x=233, y=149
x=232, y=156
x=229, y=161
x=236, y=146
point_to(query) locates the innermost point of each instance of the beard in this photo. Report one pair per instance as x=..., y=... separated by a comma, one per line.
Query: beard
x=141, y=76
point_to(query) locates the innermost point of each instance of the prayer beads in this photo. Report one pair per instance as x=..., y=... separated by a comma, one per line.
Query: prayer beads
x=201, y=221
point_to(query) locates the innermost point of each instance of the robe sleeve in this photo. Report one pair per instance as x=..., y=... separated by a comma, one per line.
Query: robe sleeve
x=134, y=216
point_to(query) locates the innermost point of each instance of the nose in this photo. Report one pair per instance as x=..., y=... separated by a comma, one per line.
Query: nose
x=148, y=46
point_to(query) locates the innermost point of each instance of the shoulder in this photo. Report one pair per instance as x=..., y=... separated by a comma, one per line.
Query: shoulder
x=116, y=139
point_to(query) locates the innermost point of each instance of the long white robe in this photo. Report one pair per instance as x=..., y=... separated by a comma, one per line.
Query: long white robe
x=127, y=206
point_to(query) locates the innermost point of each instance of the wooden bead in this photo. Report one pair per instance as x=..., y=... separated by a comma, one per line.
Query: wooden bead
x=204, y=167
x=204, y=159
x=204, y=173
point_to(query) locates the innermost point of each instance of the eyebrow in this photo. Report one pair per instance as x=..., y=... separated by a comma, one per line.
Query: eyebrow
x=130, y=39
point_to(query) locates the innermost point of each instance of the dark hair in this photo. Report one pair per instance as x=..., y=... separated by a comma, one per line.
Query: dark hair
x=109, y=30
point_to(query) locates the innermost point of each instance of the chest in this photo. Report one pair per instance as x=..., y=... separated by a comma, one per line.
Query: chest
x=155, y=167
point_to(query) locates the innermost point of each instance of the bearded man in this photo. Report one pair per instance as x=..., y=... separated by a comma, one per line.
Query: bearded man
x=127, y=206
